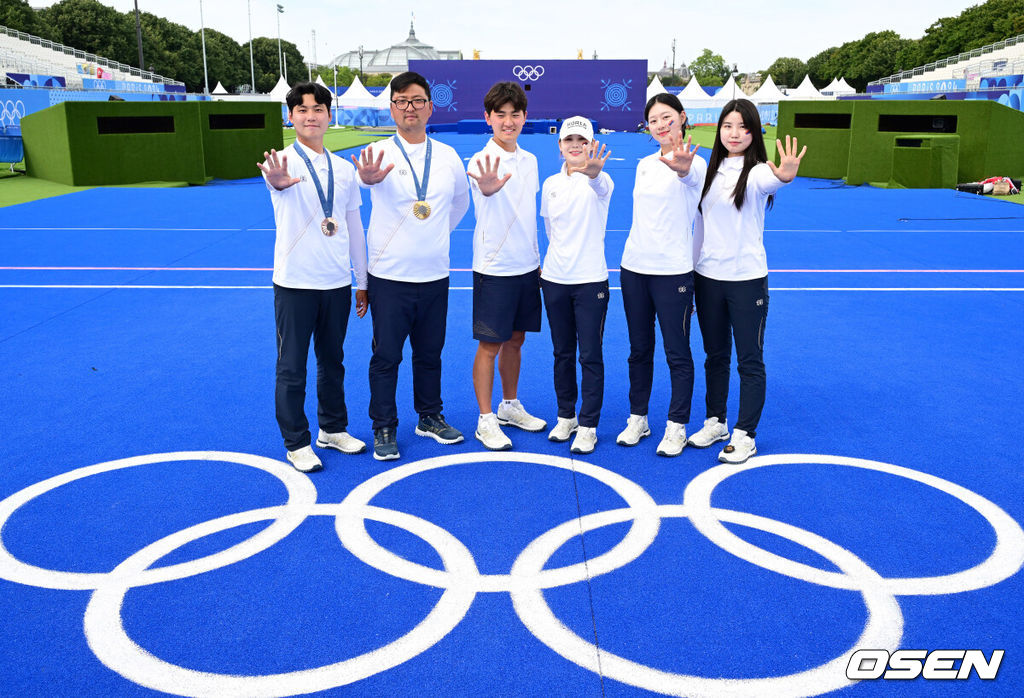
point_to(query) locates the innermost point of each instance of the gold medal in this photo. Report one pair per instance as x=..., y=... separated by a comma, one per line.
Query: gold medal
x=329, y=226
x=421, y=209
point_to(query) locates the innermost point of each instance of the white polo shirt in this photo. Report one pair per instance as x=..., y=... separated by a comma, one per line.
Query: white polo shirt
x=303, y=256
x=575, y=211
x=728, y=245
x=505, y=238
x=664, y=205
x=400, y=246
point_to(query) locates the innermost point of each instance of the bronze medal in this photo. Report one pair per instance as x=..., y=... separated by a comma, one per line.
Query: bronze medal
x=329, y=226
x=421, y=209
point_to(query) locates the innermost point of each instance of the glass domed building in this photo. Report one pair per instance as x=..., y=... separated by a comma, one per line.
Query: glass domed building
x=394, y=59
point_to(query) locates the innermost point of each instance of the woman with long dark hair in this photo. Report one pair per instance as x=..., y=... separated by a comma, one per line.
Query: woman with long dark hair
x=657, y=271
x=731, y=271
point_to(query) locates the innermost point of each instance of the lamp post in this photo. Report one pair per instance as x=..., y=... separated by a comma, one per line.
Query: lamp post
x=252, y=62
x=138, y=35
x=360, y=62
x=335, y=93
x=280, y=66
x=202, y=32
x=673, y=59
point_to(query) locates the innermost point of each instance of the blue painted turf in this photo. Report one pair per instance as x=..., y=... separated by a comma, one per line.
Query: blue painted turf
x=915, y=363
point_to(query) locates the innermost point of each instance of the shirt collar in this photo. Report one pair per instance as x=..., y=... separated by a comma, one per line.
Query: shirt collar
x=312, y=154
x=498, y=150
x=411, y=146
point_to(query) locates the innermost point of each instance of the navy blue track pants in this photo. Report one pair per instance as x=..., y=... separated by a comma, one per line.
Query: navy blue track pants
x=299, y=315
x=668, y=298
x=576, y=315
x=727, y=310
x=401, y=310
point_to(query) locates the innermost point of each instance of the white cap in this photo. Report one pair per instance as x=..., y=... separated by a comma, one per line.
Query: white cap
x=577, y=125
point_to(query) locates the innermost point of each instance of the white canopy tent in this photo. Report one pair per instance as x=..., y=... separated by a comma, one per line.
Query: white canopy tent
x=693, y=92
x=219, y=89
x=767, y=93
x=280, y=90
x=830, y=88
x=730, y=90
x=320, y=80
x=655, y=88
x=383, y=100
x=844, y=89
x=806, y=91
x=357, y=96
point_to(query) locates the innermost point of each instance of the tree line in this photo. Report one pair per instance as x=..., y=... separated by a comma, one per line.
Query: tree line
x=169, y=49
x=175, y=51
x=883, y=53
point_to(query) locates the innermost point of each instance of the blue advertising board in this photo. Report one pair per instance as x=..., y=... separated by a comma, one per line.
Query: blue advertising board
x=611, y=92
x=129, y=86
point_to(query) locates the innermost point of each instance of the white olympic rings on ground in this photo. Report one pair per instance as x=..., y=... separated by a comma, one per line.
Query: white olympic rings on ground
x=884, y=626
x=354, y=536
x=528, y=72
x=461, y=580
x=108, y=640
x=1006, y=558
x=301, y=496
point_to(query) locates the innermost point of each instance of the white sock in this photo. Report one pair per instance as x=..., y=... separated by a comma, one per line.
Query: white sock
x=509, y=403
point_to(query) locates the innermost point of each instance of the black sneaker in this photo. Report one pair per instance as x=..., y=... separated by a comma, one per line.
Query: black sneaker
x=434, y=426
x=384, y=445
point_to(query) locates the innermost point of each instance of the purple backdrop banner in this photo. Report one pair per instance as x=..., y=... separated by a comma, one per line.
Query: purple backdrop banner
x=613, y=93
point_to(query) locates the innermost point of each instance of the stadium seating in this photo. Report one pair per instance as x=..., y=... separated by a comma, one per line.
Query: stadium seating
x=26, y=53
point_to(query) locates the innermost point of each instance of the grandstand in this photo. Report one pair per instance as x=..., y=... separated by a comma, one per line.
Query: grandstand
x=1001, y=58
x=28, y=54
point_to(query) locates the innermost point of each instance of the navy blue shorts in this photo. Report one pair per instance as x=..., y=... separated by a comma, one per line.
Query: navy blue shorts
x=505, y=304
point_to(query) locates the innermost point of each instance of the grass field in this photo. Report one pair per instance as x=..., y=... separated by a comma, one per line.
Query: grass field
x=18, y=188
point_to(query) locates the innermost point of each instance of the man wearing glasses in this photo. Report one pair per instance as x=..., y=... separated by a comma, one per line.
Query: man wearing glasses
x=415, y=209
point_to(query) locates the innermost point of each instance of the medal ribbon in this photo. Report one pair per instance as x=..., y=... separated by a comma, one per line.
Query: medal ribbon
x=421, y=190
x=327, y=202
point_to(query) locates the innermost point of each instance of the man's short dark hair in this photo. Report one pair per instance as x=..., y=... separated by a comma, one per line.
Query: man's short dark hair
x=320, y=93
x=502, y=93
x=403, y=80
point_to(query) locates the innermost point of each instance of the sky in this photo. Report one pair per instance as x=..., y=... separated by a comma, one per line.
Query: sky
x=751, y=37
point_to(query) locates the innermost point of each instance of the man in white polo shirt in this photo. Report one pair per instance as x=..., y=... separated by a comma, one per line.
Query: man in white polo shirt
x=319, y=235
x=419, y=192
x=506, y=263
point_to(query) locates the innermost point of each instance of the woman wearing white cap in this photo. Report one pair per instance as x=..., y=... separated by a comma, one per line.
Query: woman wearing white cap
x=657, y=271
x=574, y=278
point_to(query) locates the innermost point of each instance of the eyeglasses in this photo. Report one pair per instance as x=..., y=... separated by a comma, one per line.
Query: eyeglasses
x=403, y=104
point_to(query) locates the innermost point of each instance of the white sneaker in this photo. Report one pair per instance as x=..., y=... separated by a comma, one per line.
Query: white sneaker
x=740, y=448
x=636, y=429
x=304, y=460
x=674, y=440
x=342, y=441
x=712, y=432
x=512, y=413
x=586, y=439
x=490, y=434
x=564, y=428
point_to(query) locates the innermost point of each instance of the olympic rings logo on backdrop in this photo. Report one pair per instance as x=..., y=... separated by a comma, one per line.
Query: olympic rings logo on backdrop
x=526, y=581
x=12, y=113
x=528, y=72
